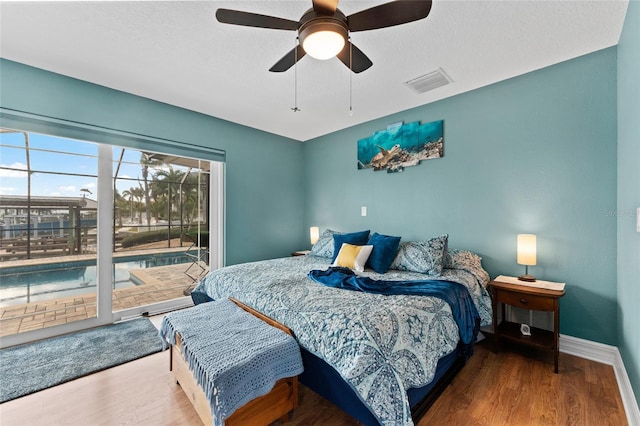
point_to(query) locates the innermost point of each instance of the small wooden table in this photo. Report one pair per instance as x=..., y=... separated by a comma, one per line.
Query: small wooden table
x=532, y=298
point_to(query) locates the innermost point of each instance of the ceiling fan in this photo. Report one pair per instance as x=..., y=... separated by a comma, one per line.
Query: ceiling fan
x=323, y=30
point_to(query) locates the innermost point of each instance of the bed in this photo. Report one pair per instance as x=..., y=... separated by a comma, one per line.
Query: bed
x=381, y=358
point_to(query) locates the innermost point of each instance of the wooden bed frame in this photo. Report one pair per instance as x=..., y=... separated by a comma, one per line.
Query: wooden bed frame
x=279, y=403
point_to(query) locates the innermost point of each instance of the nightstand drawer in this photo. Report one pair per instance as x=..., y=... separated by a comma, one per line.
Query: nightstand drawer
x=526, y=301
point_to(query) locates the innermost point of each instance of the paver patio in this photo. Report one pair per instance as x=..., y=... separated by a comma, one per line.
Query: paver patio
x=159, y=284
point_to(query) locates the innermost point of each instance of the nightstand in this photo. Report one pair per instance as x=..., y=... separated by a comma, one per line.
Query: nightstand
x=537, y=296
x=301, y=253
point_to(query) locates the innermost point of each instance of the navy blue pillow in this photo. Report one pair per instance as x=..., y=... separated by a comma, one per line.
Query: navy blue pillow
x=355, y=238
x=385, y=248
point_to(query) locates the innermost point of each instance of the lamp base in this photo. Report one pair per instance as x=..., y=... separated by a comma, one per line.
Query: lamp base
x=527, y=277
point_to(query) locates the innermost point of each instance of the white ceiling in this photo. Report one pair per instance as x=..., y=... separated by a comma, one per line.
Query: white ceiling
x=177, y=53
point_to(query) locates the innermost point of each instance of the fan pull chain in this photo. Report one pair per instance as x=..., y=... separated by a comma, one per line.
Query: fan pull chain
x=295, y=78
x=350, y=77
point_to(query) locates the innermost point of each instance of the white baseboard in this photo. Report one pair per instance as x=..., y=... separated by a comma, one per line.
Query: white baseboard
x=609, y=355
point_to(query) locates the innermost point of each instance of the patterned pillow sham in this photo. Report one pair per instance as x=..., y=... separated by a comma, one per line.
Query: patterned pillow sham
x=425, y=257
x=463, y=258
x=324, y=246
x=447, y=260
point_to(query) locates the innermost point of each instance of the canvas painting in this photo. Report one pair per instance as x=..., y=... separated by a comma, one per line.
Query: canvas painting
x=401, y=145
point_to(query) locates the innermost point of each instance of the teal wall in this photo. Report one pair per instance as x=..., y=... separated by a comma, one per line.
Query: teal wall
x=533, y=154
x=263, y=173
x=629, y=195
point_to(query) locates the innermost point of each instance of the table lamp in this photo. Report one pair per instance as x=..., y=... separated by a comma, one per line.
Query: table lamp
x=526, y=255
x=314, y=234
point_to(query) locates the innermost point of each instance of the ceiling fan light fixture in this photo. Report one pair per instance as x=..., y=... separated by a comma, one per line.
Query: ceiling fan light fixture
x=323, y=30
x=323, y=44
x=323, y=40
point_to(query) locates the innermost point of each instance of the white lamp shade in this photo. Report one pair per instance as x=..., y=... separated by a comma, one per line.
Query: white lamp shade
x=526, y=249
x=314, y=233
x=323, y=44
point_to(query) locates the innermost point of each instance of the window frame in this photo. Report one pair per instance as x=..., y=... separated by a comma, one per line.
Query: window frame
x=106, y=138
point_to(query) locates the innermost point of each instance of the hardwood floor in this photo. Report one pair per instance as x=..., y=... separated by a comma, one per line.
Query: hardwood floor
x=513, y=388
x=504, y=389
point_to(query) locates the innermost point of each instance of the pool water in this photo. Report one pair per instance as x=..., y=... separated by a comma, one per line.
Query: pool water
x=37, y=283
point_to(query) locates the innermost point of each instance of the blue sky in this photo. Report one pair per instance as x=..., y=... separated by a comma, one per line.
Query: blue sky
x=77, y=157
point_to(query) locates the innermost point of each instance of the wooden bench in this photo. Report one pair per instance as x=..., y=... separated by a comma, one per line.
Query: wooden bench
x=278, y=404
x=7, y=242
x=40, y=244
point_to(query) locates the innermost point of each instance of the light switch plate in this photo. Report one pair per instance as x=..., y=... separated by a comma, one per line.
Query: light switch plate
x=363, y=211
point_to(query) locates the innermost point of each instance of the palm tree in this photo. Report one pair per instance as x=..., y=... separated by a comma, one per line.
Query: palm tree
x=145, y=164
x=168, y=184
x=190, y=190
x=118, y=204
x=158, y=206
x=138, y=193
x=128, y=193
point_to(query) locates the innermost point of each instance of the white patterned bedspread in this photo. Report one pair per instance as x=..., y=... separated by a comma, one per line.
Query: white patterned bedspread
x=381, y=345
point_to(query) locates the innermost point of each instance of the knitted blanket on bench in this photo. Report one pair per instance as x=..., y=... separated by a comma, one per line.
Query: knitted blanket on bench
x=234, y=356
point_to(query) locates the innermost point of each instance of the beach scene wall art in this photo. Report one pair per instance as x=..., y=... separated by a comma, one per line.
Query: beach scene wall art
x=401, y=145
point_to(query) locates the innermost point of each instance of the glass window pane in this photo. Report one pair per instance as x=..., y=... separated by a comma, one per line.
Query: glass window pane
x=48, y=238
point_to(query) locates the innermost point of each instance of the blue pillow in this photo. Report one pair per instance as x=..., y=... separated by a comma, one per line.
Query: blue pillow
x=354, y=238
x=385, y=248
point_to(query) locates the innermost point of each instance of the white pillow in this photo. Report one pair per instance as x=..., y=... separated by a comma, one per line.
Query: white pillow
x=353, y=257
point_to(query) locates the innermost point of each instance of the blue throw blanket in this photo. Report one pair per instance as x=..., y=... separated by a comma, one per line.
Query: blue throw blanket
x=234, y=356
x=456, y=295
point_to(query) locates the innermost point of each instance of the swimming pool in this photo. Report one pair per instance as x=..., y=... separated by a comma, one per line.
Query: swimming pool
x=35, y=283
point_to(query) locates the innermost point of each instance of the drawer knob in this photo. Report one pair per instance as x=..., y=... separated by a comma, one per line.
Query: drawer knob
x=523, y=301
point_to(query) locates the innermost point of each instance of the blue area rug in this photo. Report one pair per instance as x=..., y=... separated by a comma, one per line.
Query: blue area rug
x=39, y=365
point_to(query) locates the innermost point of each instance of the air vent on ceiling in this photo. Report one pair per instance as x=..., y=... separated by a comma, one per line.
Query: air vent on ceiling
x=433, y=80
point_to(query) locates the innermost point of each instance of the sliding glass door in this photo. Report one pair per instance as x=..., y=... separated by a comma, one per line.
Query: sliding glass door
x=161, y=227
x=94, y=233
